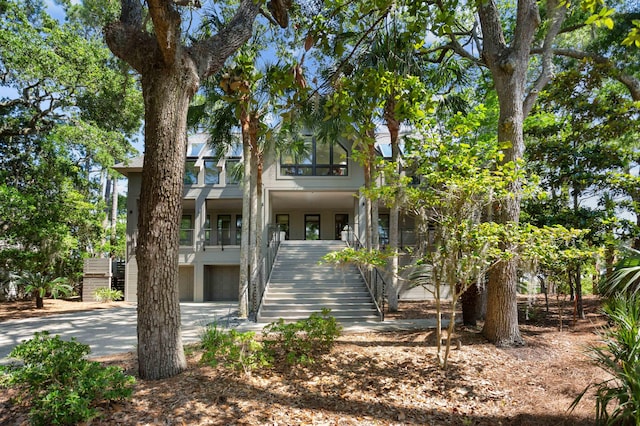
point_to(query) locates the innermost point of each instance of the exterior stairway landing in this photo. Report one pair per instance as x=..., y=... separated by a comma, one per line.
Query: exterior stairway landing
x=299, y=286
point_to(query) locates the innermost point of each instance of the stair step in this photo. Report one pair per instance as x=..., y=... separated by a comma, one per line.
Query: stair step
x=299, y=285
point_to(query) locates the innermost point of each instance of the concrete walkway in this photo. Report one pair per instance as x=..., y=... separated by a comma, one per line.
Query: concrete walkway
x=110, y=331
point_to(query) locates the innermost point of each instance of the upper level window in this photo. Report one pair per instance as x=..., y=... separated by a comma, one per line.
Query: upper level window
x=232, y=172
x=211, y=172
x=317, y=159
x=190, y=173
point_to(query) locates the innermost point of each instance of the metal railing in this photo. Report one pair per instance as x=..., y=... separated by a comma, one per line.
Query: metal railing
x=372, y=277
x=262, y=272
x=407, y=237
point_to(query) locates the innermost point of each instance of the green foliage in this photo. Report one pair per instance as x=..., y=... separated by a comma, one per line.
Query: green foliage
x=625, y=278
x=40, y=284
x=69, y=112
x=302, y=341
x=618, y=398
x=108, y=295
x=61, y=386
x=296, y=343
x=235, y=350
x=364, y=257
x=633, y=38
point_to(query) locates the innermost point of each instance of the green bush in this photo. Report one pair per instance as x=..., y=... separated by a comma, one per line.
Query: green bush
x=302, y=341
x=61, y=386
x=618, y=398
x=239, y=351
x=108, y=295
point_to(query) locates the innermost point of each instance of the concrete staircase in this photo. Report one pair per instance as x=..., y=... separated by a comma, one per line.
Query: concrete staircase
x=299, y=286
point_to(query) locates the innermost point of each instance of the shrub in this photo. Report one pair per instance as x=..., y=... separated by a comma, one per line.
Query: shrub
x=618, y=398
x=239, y=351
x=61, y=386
x=108, y=295
x=39, y=284
x=302, y=341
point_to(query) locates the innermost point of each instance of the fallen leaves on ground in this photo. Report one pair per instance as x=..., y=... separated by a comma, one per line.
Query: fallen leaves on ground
x=387, y=378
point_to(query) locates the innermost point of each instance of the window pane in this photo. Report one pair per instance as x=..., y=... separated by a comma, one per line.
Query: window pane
x=238, y=229
x=231, y=171
x=323, y=153
x=194, y=149
x=224, y=229
x=186, y=230
x=190, y=173
x=211, y=173
x=305, y=171
x=287, y=159
x=207, y=230
x=323, y=171
x=288, y=171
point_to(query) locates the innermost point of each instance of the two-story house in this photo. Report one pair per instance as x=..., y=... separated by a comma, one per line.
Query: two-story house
x=310, y=197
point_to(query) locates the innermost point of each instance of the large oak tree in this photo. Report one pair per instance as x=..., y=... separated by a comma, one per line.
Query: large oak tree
x=171, y=72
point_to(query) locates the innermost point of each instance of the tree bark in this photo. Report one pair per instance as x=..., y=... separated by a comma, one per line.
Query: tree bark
x=508, y=66
x=166, y=95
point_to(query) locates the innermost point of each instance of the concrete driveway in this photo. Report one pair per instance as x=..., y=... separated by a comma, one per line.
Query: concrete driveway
x=109, y=331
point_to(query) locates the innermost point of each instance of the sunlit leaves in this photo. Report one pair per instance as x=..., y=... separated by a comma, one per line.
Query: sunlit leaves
x=633, y=38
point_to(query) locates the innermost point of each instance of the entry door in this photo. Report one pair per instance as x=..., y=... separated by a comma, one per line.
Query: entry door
x=311, y=226
x=342, y=220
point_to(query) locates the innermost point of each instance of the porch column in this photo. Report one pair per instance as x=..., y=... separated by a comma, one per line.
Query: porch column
x=198, y=282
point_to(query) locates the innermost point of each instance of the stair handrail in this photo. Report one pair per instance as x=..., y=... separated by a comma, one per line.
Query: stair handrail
x=260, y=277
x=372, y=277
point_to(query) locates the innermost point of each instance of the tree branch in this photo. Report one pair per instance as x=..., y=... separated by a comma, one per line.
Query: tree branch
x=127, y=39
x=631, y=82
x=166, y=24
x=558, y=14
x=211, y=53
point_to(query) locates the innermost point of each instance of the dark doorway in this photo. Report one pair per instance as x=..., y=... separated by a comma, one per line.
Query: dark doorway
x=311, y=226
x=342, y=220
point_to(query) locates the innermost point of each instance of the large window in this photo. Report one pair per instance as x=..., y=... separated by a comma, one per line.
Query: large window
x=232, y=172
x=211, y=172
x=316, y=159
x=186, y=230
x=190, y=173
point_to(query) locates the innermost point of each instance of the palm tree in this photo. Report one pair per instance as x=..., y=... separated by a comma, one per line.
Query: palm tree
x=625, y=278
x=40, y=284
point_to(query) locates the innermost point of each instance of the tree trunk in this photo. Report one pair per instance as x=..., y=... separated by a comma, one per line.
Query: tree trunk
x=471, y=305
x=39, y=301
x=579, y=304
x=508, y=66
x=245, y=249
x=167, y=96
x=394, y=212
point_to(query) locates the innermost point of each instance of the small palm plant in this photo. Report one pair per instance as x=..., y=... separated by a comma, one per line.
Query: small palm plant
x=40, y=284
x=618, y=398
x=625, y=277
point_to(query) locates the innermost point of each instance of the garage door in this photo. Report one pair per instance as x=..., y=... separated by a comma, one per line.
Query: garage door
x=221, y=283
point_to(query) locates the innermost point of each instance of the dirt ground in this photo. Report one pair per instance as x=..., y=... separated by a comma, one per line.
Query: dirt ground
x=388, y=378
